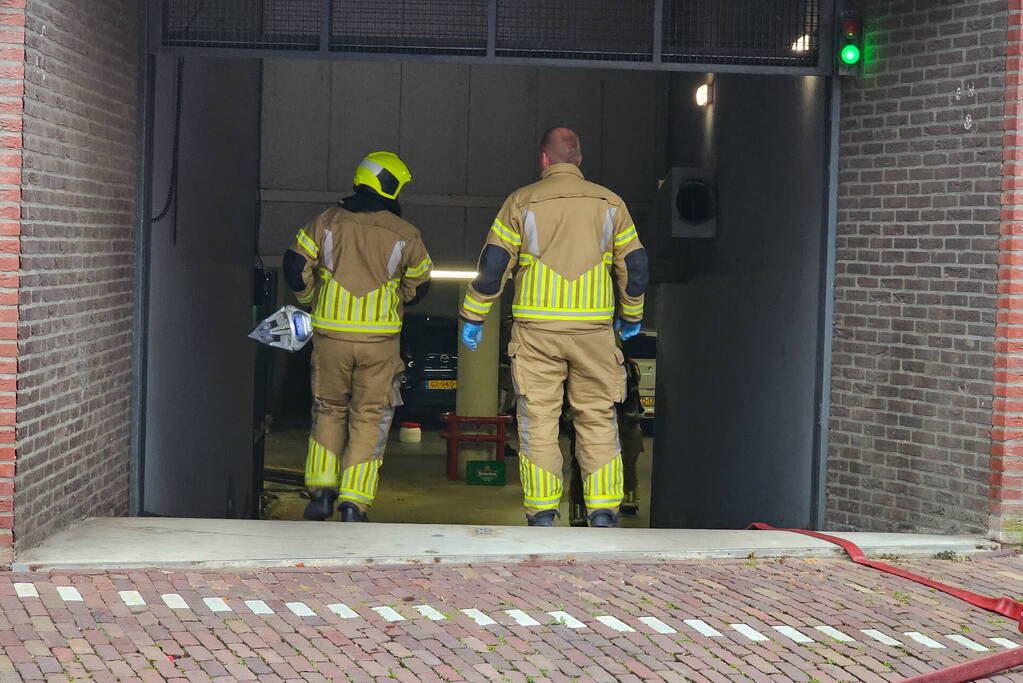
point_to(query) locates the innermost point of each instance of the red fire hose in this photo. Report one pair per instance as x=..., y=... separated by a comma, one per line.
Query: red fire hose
x=978, y=668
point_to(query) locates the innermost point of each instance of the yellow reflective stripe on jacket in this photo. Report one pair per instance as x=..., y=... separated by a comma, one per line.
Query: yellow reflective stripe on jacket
x=632, y=309
x=547, y=295
x=474, y=306
x=419, y=270
x=339, y=310
x=626, y=236
x=307, y=298
x=308, y=244
x=541, y=490
x=506, y=233
x=605, y=487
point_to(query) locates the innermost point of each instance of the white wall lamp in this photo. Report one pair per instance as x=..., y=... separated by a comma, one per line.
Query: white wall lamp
x=704, y=95
x=453, y=274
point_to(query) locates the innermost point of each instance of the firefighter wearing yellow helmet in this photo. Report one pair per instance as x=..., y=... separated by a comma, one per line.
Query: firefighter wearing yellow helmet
x=357, y=266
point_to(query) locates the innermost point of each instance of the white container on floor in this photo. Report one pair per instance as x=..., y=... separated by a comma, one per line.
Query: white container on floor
x=410, y=432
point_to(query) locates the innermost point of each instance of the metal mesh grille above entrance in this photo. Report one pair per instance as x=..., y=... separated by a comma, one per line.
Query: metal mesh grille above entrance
x=783, y=35
x=410, y=26
x=273, y=24
x=576, y=29
x=778, y=32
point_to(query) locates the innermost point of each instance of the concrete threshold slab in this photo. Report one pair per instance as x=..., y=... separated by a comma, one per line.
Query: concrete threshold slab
x=131, y=542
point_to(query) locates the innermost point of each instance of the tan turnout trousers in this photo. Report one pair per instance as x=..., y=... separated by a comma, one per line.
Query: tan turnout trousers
x=593, y=368
x=355, y=392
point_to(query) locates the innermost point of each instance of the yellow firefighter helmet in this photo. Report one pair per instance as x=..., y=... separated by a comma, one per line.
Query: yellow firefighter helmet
x=384, y=173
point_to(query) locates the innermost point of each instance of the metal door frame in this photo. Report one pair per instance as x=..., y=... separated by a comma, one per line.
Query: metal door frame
x=151, y=44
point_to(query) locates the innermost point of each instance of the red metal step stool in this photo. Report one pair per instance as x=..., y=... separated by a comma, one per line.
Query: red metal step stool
x=454, y=435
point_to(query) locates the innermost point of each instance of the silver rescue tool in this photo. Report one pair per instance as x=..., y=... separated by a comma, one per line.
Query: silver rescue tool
x=289, y=328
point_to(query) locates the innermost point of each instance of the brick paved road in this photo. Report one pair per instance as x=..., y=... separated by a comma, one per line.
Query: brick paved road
x=762, y=620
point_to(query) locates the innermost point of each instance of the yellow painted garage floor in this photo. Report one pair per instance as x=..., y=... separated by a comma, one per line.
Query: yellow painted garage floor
x=414, y=488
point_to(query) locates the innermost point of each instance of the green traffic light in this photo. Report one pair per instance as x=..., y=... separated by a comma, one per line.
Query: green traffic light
x=850, y=55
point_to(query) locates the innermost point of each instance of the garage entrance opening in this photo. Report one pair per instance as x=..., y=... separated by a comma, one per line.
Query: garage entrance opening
x=245, y=150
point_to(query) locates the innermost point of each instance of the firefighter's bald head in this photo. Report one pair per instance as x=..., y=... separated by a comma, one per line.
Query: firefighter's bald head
x=560, y=146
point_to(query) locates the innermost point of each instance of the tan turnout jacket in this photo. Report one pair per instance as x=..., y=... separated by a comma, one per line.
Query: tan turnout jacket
x=567, y=239
x=360, y=271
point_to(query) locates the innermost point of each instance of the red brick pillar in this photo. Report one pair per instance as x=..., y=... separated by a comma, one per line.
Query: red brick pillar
x=12, y=91
x=1006, y=492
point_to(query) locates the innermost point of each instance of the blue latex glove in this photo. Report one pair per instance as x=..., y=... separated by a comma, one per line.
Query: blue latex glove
x=626, y=330
x=472, y=335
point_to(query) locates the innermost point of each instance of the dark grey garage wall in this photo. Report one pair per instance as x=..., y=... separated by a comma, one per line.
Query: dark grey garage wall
x=737, y=344
x=200, y=368
x=468, y=133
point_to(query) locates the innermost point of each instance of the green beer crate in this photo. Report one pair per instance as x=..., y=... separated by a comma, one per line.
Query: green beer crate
x=485, y=473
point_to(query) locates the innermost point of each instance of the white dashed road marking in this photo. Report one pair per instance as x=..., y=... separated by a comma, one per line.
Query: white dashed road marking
x=616, y=624
x=751, y=633
x=521, y=618
x=429, y=612
x=26, y=590
x=300, y=609
x=792, y=634
x=925, y=641
x=343, y=610
x=880, y=637
x=174, y=601
x=566, y=619
x=216, y=605
x=835, y=634
x=1005, y=642
x=703, y=628
x=657, y=625
x=480, y=618
x=966, y=642
x=388, y=614
x=258, y=607
x=131, y=598
x=69, y=594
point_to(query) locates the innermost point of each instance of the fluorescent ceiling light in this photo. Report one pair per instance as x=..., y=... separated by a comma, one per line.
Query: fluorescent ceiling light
x=454, y=274
x=801, y=45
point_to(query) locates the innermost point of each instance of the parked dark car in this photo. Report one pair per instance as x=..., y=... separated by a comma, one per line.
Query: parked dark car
x=429, y=347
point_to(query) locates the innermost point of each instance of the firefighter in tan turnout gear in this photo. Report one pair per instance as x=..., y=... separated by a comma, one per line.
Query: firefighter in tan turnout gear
x=357, y=265
x=577, y=263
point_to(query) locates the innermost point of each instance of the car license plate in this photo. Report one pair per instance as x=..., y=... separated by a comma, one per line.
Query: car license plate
x=442, y=384
x=647, y=401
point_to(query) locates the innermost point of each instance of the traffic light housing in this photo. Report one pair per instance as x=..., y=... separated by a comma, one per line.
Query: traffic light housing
x=849, y=57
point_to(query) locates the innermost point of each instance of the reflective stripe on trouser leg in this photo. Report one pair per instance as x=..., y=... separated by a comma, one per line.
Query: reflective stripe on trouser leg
x=541, y=489
x=359, y=482
x=322, y=468
x=605, y=487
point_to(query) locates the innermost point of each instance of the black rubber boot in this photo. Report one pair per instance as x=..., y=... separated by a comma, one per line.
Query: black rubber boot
x=350, y=512
x=603, y=518
x=542, y=518
x=320, y=506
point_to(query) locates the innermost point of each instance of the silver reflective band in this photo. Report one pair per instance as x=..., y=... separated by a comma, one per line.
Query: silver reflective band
x=328, y=251
x=609, y=228
x=529, y=228
x=395, y=260
x=371, y=166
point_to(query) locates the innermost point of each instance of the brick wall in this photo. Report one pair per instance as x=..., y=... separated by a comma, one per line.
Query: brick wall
x=918, y=245
x=74, y=337
x=1007, y=419
x=12, y=69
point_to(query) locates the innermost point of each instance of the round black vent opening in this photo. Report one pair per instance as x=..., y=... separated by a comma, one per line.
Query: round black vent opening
x=695, y=201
